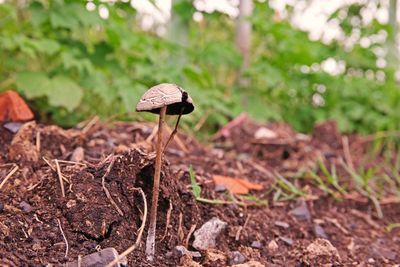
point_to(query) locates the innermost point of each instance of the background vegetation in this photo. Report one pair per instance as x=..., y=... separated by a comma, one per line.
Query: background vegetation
x=71, y=64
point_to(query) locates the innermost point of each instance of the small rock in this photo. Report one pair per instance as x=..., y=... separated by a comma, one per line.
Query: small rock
x=78, y=155
x=25, y=206
x=181, y=250
x=214, y=256
x=321, y=252
x=272, y=246
x=100, y=258
x=187, y=261
x=281, y=224
x=220, y=188
x=265, y=133
x=22, y=147
x=71, y=203
x=250, y=264
x=236, y=258
x=204, y=237
x=256, y=244
x=319, y=231
x=301, y=212
x=13, y=126
x=288, y=241
x=371, y=260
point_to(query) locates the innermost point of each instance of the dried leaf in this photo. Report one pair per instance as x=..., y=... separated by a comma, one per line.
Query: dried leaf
x=236, y=185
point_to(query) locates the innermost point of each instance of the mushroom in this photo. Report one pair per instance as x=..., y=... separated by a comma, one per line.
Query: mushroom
x=162, y=99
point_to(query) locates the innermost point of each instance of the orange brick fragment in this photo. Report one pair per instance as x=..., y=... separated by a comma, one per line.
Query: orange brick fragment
x=236, y=185
x=14, y=108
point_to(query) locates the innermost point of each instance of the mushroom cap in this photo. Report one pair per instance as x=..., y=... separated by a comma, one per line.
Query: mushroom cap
x=166, y=94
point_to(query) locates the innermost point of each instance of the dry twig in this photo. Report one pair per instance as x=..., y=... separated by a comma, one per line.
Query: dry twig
x=192, y=228
x=90, y=124
x=346, y=151
x=366, y=217
x=139, y=236
x=60, y=177
x=180, y=230
x=103, y=183
x=9, y=176
x=38, y=141
x=72, y=162
x=338, y=225
x=152, y=135
x=168, y=220
x=177, y=140
x=49, y=164
x=237, y=236
x=65, y=238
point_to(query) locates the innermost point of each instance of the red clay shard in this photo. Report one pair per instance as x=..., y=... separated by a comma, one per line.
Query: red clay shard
x=14, y=108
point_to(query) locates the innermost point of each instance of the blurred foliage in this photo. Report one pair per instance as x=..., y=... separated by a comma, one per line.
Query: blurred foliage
x=72, y=64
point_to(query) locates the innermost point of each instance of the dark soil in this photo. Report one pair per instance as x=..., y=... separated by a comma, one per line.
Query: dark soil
x=32, y=208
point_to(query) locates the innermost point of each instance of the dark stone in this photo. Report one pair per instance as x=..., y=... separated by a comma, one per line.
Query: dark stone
x=181, y=250
x=236, y=258
x=288, y=241
x=301, y=212
x=100, y=258
x=25, y=206
x=319, y=231
x=281, y=224
x=13, y=126
x=256, y=244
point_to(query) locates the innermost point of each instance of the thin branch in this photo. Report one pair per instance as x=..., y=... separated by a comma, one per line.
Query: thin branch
x=103, y=183
x=9, y=176
x=192, y=228
x=346, y=151
x=60, y=177
x=139, y=236
x=65, y=238
x=168, y=220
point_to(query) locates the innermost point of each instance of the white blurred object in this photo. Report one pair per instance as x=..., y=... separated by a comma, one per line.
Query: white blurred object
x=265, y=133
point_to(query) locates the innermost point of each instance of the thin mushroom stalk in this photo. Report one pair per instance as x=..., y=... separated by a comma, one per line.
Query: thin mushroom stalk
x=163, y=99
x=151, y=236
x=174, y=131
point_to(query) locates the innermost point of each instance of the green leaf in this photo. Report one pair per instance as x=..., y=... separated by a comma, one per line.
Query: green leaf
x=65, y=93
x=196, y=189
x=99, y=84
x=47, y=46
x=33, y=84
x=62, y=18
x=128, y=92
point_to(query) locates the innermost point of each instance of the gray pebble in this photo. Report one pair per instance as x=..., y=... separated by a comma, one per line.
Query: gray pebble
x=319, y=231
x=288, y=241
x=236, y=258
x=204, y=238
x=301, y=212
x=100, y=258
x=256, y=244
x=25, y=206
x=281, y=224
x=181, y=250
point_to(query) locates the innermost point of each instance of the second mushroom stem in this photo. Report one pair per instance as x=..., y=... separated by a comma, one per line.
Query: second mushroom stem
x=151, y=235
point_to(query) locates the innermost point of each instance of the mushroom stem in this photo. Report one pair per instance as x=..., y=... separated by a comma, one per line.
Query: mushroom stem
x=174, y=131
x=151, y=236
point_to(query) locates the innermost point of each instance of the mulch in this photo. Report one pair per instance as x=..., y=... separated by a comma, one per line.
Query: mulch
x=271, y=226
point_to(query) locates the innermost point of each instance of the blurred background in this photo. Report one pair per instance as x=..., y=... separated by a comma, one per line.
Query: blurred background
x=300, y=61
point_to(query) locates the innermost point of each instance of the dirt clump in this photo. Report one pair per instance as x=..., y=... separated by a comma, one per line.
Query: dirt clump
x=264, y=227
x=321, y=253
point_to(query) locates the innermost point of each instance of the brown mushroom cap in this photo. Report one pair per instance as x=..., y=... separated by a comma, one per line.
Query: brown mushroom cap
x=166, y=94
